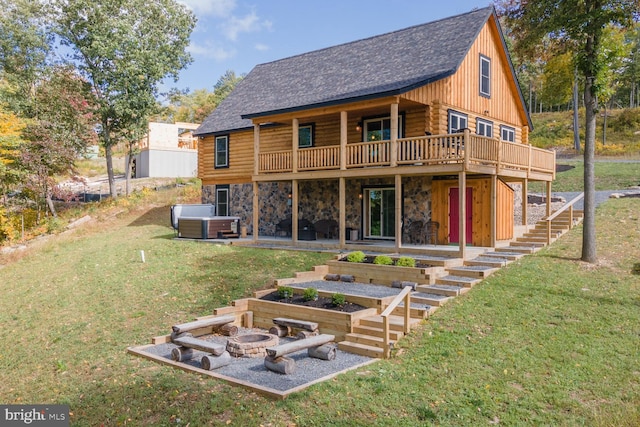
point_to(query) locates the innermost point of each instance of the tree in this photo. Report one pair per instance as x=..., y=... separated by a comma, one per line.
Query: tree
x=578, y=26
x=61, y=130
x=125, y=49
x=11, y=127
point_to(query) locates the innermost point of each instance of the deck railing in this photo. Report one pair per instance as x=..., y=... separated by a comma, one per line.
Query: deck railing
x=567, y=207
x=426, y=150
x=404, y=296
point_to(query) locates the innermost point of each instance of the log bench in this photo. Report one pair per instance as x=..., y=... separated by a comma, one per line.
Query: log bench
x=317, y=347
x=181, y=336
x=283, y=326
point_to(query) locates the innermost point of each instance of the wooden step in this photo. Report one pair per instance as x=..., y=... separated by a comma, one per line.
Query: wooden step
x=494, y=262
x=452, y=279
x=511, y=256
x=535, y=245
x=396, y=323
x=377, y=332
x=524, y=250
x=361, y=349
x=476, y=271
x=533, y=239
x=365, y=339
x=439, y=289
x=429, y=299
x=439, y=261
x=417, y=311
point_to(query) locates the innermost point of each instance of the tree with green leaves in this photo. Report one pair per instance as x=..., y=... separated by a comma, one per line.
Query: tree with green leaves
x=578, y=27
x=124, y=49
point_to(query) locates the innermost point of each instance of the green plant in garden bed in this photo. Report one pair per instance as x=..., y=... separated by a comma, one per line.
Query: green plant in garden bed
x=406, y=261
x=357, y=256
x=338, y=299
x=310, y=294
x=383, y=260
x=285, y=292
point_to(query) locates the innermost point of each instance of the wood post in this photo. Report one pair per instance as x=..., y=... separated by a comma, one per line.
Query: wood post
x=228, y=330
x=247, y=319
x=279, y=330
x=282, y=364
x=306, y=334
x=210, y=362
x=294, y=211
x=324, y=352
x=341, y=211
x=256, y=212
x=295, y=141
x=394, y=136
x=343, y=140
x=398, y=208
x=181, y=354
x=462, y=212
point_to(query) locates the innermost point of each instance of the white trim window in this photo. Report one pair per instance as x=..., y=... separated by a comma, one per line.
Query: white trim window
x=222, y=200
x=485, y=76
x=507, y=133
x=457, y=121
x=379, y=128
x=222, y=151
x=484, y=128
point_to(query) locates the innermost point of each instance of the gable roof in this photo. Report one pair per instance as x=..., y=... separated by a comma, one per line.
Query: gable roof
x=379, y=66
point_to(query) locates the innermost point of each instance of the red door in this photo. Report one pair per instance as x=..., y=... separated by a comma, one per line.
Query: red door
x=454, y=215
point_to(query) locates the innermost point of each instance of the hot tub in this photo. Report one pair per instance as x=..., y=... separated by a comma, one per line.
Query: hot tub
x=213, y=227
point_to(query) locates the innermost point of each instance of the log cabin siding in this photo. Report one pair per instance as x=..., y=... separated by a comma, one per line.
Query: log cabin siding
x=240, y=160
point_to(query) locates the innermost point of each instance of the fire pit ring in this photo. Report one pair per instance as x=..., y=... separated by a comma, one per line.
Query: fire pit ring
x=251, y=345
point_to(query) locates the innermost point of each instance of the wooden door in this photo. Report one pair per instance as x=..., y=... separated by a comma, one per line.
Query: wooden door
x=454, y=215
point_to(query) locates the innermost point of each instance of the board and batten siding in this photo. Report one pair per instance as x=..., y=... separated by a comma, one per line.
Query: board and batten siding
x=481, y=210
x=461, y=91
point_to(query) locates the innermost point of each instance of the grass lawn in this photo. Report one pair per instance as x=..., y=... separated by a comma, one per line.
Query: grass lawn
x=546, y=341
x=610, y=175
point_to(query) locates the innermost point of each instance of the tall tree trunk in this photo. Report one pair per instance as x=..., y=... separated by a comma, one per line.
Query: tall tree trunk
x=108, y=152
x=50, y=205
x=576, y=124
x=604, y=125
x=589, y=225
x=128, y=170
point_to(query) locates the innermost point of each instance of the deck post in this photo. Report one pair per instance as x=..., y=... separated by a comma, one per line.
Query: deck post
x=525, y=201
x=256, y=148
x=256, y=211
x=342, y=212
x=548, y=198
x=295, y=141
x=398, y=212
x=462, y=213
x=467, y=147
x=494, y=209
x=394, y=135
x=343, y=140
x=294, y=211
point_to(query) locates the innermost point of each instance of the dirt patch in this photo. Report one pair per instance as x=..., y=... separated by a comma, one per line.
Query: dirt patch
x=321, y=302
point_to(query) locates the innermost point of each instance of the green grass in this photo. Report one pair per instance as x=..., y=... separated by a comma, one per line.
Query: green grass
x=610, y=175
x=546, y=341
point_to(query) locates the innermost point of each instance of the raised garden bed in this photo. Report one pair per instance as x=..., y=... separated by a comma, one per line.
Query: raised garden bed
x=322, y=302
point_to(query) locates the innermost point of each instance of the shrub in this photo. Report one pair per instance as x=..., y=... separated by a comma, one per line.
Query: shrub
x=338, y=299
x=310, y=294
x=406, y=261
x=357, y=256
x=285, y=292
x=383, y=260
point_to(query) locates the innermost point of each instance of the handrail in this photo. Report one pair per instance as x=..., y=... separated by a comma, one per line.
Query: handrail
x=404, y=295
x=567, y=206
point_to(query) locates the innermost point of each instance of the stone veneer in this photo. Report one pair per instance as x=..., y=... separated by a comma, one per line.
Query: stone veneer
x=319, y=200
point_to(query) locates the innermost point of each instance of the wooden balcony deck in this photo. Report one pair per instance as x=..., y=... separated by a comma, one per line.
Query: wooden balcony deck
x=468, y=152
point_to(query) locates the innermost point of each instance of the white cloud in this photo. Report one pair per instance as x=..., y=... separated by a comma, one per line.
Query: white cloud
x=262, y=47
x=249, y=24
x=219, y=8
x=212, y=51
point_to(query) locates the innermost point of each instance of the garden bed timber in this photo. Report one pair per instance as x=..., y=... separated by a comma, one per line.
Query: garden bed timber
x=323, y=301
x=367, y=272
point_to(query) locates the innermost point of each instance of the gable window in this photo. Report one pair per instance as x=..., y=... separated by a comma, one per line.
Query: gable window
x=485, y=76
x=222, y=151
x=379, y=128
x=222, y=200
x=507, y=133
x=457, y=121
x=484, y=128
x=305, y=136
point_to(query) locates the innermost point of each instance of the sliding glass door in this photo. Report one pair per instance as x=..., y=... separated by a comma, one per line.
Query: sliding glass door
x=381, y=213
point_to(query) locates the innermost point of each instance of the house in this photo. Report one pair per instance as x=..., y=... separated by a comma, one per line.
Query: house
x=168, y=150
x=378, y=136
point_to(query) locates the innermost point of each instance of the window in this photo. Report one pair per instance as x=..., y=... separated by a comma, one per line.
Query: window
x=379, y=128
x=457, y=121
x=485, y=76
x=222, y=200
x=222, y=151
x=305, y=136
x=507, y=133
x=484, y=128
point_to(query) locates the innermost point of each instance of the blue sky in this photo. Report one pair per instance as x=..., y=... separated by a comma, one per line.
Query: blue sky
x=239, y=34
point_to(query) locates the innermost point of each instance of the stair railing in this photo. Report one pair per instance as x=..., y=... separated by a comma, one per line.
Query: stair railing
x=405, y=296
x=567, y=206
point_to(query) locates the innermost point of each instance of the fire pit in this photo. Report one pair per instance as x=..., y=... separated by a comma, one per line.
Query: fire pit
x=251, y=345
